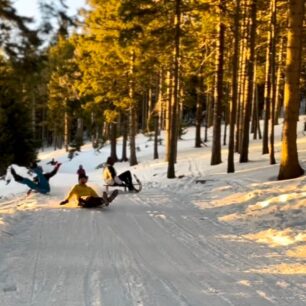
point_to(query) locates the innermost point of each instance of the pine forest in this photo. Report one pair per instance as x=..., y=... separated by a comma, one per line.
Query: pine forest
x=123, y=67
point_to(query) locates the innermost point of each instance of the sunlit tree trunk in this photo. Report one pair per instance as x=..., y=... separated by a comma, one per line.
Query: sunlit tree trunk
x=244, y=152
x=168, y=112
x=132, y=119
x=267, y=95
x=174, y=121
x=257, y=128
x=289, y=165
x=216, y=143
x=241, y=77
x=233, y=109
x=273, y=81
x=279, y=82
x=254, y=123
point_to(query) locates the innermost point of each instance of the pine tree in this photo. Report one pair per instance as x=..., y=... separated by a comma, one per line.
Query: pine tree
x=216, y=145
x=289, y=166
x=16, y=137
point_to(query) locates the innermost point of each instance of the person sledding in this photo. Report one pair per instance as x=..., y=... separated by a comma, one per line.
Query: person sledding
x=111, y=178
x=87, y=197
x=41, y=181
x=50, y=174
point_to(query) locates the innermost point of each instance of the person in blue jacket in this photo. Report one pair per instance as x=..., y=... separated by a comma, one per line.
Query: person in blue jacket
x=41, y=184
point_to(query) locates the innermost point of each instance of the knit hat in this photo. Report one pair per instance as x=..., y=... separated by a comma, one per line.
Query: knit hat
x=82, y=175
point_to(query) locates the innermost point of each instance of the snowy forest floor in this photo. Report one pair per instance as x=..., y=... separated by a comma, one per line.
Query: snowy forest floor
x=205, y=238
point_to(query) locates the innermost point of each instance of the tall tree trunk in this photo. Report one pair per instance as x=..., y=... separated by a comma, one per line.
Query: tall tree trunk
x=210, y=106
x=241, y=78
x=144, y=114
x=161, y=99
x=124, y=137
x=289, y=166
x=233, y=110
x=225, y=124
x=43, y=128
x=113, y=141
x=216, y=145
x=132, y=120
x=206, y=116
x=66, y=131
x=267, y=95
x=79, y=133
x=199, y=111
x=256, y=115
x=273, y=81
x=244, y=152
x=147, y=110
x=33, y=110
x=254, y=123
x=169, y=112
x=279, y=82
x=174, y=123
x=156, y=133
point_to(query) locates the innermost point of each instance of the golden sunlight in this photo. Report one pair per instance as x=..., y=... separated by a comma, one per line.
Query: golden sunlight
x=275, y=238
x=285, y=269
x=298, y=252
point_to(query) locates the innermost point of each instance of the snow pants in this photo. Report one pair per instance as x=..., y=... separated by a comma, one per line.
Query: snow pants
x=91, y=202
x=126, y=177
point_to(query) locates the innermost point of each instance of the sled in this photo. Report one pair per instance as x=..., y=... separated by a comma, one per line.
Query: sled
x=137, y=185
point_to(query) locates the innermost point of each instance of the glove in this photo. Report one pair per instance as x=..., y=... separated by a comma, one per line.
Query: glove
x=64, y=202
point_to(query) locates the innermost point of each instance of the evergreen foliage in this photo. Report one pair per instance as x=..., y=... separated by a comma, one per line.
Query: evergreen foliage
x=16, y=138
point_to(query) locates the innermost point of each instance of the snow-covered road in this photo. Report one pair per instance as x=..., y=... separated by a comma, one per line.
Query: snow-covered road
x=152, y=248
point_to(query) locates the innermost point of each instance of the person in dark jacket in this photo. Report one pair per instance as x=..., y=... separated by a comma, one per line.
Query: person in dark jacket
x=111, y=178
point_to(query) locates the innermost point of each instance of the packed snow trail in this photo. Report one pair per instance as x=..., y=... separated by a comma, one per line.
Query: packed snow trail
x=153, y=248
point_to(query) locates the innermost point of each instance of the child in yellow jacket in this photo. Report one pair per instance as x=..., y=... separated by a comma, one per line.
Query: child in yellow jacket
x=86, y=196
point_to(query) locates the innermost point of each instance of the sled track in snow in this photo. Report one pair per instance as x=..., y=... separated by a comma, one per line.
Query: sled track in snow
x=224, y=259
x=146, y=249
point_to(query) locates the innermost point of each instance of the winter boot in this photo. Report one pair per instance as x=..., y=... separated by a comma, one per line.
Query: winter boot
x=113, y=195
x=16, y=177
x=81, y=202
x=105, y=198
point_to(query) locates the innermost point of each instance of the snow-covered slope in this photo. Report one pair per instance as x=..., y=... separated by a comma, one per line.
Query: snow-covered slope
x=204, y=238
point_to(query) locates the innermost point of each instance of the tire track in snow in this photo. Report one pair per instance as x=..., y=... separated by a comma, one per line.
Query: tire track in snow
x=185, y=236
x=146, y=249
x=165, y=254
